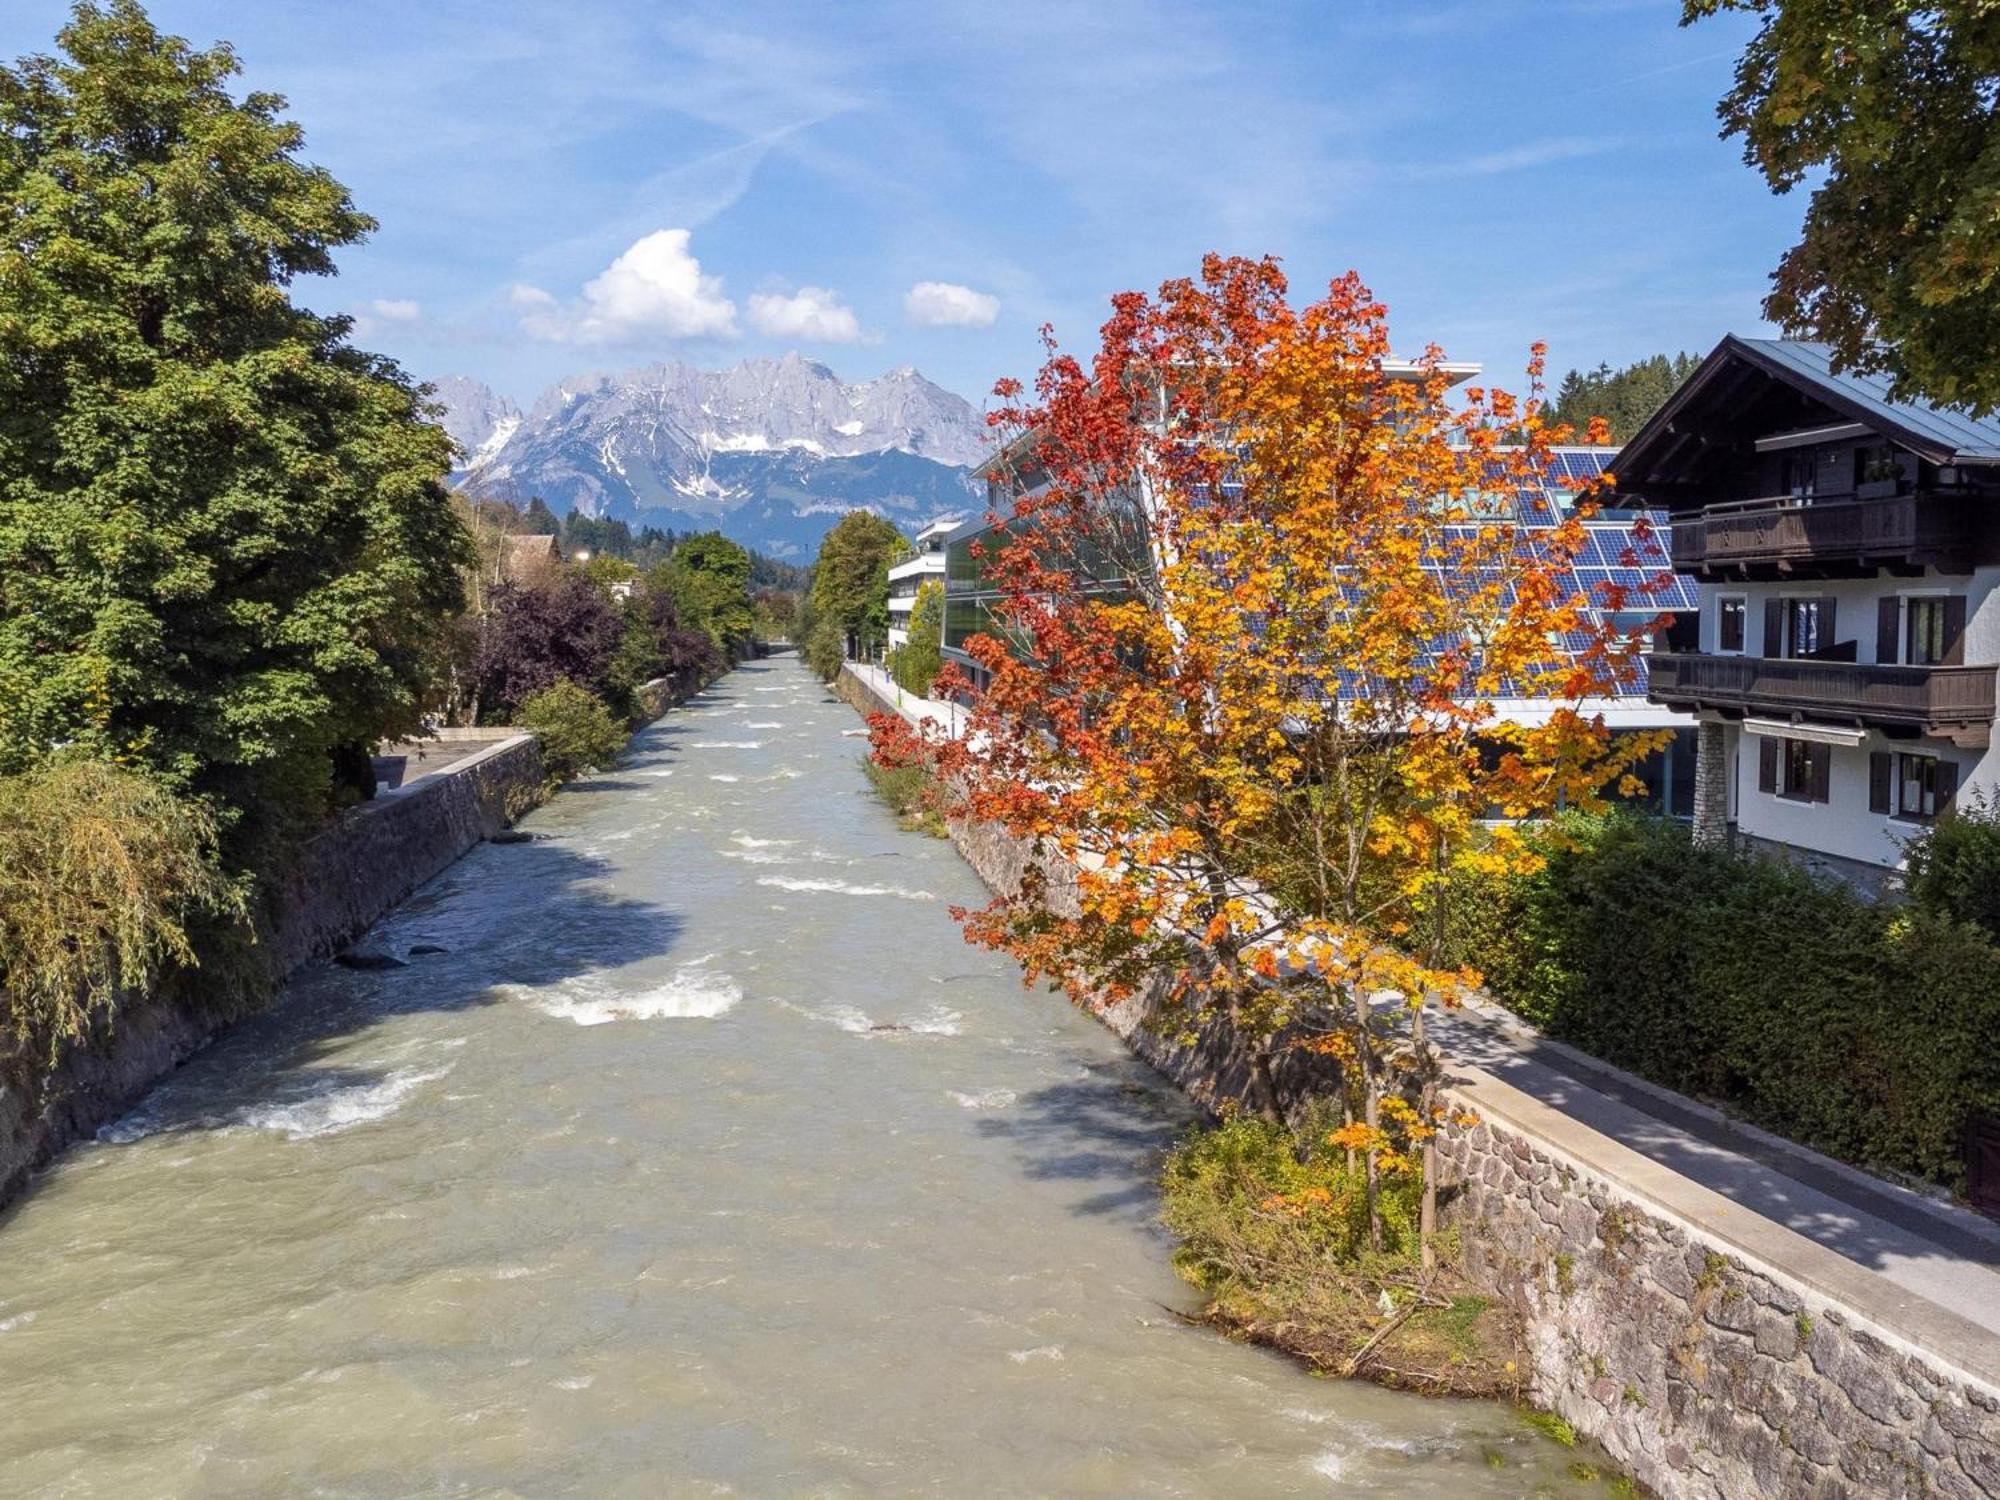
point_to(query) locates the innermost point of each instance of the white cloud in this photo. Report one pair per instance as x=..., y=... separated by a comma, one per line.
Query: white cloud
x=945, y=304
x=811, y=313
x=395, y=309
x=656, y=289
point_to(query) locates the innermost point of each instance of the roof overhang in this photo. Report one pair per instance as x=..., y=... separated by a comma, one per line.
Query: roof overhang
x=1669, y=428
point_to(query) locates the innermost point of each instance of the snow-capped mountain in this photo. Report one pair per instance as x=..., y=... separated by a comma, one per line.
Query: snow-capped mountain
x=771, y=451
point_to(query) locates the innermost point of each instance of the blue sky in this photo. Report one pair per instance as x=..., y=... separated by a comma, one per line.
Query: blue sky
x=600, y=183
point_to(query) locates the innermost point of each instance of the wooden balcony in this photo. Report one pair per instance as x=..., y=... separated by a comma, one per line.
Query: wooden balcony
x=1780, y=536
x=1954, y=703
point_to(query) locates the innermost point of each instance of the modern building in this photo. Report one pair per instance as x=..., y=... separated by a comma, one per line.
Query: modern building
x=1614, y=537
x=923, y=563
x=1846, y=548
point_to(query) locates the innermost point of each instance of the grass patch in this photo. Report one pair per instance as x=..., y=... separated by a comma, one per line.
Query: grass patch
x=1275, y=1230
x=1551, y=1426
x=910, y=794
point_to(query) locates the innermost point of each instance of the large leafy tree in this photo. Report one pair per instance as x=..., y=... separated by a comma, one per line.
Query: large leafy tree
x=1257, y=643
x=850, y=589
x=225, y=544
x=708, y=579
x=1889, y=106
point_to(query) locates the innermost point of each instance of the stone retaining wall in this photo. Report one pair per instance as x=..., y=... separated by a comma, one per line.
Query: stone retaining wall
x=346, y=878
x=1715, y=1365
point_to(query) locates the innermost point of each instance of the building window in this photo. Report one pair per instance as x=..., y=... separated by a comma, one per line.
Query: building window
x=1799, y=770
x=1801, y=473
x=1730, y=612
x=1916, y=786
x=1924, y=637
x=1805, y=770
x=1802, y=626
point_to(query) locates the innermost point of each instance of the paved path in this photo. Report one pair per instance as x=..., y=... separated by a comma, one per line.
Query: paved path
x=1937, y=1251
x=1944, y=1254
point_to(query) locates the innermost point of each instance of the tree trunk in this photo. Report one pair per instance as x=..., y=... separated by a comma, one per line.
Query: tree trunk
x=1426, y=1102
x=1371, y=1113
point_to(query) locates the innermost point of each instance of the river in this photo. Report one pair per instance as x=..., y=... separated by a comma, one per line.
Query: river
x=705, y=1159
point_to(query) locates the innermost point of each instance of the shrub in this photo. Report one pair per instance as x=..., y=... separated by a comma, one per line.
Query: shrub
x=537, y=637
x=1861, y=1030
x=574, y=728
x=100, y=869
x=826, y=648
x=915, y=665
x=1954, y=865
x=1223, y=1190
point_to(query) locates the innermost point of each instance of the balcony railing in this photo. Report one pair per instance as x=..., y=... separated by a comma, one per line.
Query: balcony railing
x=1783, y=529
x=1951, y=701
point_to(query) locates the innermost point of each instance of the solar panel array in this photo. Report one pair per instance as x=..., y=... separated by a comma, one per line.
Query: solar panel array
x=1616, y=557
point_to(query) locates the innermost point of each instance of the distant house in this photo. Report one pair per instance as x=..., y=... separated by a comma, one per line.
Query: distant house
x=1668, y=776
x=921, y=564
x=1847, y=549
x=526, y=559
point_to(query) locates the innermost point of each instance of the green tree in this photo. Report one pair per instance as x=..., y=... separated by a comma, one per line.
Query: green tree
x=1624, y=397
x=850, y=590
x=915, y=665
x=1888, y=106
x=225, y=541
x=708, y=579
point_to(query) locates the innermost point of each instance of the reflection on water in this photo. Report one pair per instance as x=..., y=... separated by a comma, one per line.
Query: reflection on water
x=705, y=1160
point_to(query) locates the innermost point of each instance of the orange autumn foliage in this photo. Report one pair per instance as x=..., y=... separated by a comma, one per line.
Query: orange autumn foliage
x=1264, y=671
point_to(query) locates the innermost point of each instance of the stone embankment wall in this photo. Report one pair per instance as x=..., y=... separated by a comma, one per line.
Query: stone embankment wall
x=1715, y=1354
x=346, y=878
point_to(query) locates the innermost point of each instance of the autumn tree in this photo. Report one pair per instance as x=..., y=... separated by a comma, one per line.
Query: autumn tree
x=1254, y=637
x=1888, y=110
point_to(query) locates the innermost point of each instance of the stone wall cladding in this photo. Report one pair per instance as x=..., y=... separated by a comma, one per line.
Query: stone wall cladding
x=347, y=878
x=1703, y=1373
x=1708, y=1375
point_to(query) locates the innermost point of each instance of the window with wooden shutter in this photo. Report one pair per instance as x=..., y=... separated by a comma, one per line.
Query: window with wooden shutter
x=1774, y=627
x=1820, y=789
x=1881, y=771
x=1767, y=765
x=1954, y=630
x=1947, y=784
x=1888, y=623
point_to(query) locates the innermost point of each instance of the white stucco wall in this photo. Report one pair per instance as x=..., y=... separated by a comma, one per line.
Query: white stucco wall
x=1854, y=609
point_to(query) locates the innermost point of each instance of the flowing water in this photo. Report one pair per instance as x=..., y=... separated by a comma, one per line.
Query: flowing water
x=706, y=1159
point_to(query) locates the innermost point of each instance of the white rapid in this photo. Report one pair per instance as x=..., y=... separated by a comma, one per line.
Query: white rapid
x=705, y=1160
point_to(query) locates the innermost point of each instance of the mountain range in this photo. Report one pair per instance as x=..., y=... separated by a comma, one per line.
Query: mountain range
x=772, y=452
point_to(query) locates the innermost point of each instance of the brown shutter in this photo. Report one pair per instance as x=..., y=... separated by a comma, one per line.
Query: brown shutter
x=1767, y=764
x=1888, y=616
x=1947, y=784
x=1822, y=772
x=1774, y=627
x=1828, y=639
x=1881, y=774
x=1954, y=630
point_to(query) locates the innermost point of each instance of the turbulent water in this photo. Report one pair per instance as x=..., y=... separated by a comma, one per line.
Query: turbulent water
x=705, y=1160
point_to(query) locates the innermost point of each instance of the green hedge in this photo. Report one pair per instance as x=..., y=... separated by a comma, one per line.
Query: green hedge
x=1864, y=1031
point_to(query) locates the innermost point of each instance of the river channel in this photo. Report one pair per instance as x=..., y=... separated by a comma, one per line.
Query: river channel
x=705, y=1159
